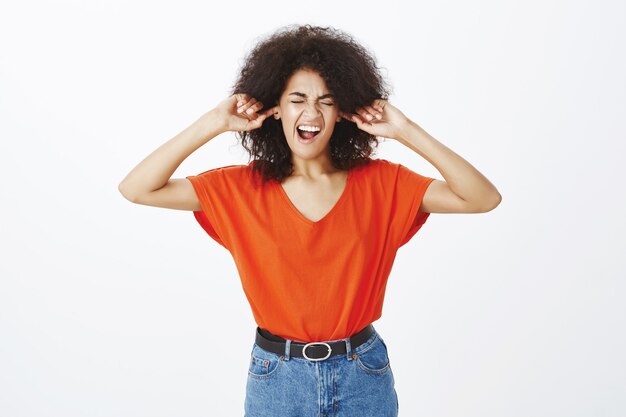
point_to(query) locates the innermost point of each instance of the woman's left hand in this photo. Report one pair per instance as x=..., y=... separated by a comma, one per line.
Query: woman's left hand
x=390, y=123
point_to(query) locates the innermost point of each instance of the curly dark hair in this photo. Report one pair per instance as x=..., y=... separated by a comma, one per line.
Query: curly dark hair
x=349, y=71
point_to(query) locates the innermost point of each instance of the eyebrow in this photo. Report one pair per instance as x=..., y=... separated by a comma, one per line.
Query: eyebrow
x=295, y=93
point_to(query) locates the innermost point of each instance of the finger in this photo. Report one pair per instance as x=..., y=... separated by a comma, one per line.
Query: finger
x=374, y=113
x=356, y=119
x=364, y=114
x=258, y=122
x=245, y=103
x=379, y=104
x=254, y=108
x=261, y=118
x=269, y=112
x=247, y=106
x=254, y=115
x=345, y=115
x=361, y=124
x=241, y=106
x=241, y=98
x=248, y=109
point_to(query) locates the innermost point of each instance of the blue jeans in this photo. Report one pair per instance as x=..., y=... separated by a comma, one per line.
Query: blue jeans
x=359, y=383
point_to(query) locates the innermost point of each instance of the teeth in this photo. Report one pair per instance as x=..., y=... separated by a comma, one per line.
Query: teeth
x=309, y=128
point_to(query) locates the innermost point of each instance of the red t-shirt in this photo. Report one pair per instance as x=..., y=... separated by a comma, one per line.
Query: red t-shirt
x=313, y=281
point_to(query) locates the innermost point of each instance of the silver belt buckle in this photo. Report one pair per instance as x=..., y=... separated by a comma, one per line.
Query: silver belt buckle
x=316, y=343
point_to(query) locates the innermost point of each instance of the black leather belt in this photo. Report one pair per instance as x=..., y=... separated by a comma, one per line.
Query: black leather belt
x=314, y=350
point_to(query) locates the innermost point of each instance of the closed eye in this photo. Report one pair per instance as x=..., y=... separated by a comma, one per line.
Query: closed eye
x=328, y=104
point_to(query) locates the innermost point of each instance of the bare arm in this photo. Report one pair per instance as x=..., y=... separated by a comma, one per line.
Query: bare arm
x=149, y=182
x=465, y=189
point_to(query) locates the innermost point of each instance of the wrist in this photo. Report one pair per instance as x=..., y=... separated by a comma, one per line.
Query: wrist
x=405, y=130
x=211, y=123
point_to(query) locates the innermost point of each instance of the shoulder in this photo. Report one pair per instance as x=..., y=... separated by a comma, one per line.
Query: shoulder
x=382, y=166
x=382, y=163
x=226, y=169
x=371, y=164
x=399, y=175
x=374, y=169
x=225, y=172
x=393, y=168
x=226, y=179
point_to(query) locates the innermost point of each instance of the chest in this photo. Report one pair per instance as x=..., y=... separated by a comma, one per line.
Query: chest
x=314, y=201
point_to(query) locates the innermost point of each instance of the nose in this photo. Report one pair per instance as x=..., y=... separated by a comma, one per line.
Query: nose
x=312, y=108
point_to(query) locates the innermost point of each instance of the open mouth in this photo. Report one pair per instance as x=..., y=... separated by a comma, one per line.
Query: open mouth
x=307, y=133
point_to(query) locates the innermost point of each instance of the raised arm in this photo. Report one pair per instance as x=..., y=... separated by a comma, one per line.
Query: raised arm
x=150, y=182
x=465, y=189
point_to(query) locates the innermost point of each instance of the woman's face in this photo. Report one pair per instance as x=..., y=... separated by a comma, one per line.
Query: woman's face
x=307, y=101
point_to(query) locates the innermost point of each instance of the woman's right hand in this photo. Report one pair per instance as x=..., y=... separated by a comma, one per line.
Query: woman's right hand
x=239, y=113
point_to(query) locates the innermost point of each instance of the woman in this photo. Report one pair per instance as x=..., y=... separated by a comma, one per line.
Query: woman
x=312, y=222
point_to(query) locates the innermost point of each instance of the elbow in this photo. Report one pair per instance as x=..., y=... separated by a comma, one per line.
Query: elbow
x=486, y=204
x=492, y=203
x=125, y=192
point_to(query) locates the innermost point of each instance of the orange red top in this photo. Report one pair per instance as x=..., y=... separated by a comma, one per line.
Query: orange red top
x=313, y=281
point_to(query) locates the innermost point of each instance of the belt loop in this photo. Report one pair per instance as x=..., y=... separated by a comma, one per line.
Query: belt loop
x=287, y=348
x=348, y=348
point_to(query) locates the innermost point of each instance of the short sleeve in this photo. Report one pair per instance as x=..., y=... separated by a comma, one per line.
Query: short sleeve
x=410, y=190
x=209, y=189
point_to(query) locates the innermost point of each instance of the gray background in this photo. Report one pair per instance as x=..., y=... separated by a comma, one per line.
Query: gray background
x=108, y=308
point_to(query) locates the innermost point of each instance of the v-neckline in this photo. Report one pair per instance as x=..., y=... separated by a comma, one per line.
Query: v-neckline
x=334, y=208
